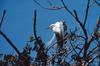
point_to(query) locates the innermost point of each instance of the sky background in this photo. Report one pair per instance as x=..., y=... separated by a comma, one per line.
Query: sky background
x=18, y=21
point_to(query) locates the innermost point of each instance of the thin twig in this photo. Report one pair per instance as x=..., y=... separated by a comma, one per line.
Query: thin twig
x=93, y=59
x=86, y=46
x=97, y=3
x=76, y=18
x=73, y=47
x=67, y=8
x=34, y=26
x=92, y=50
x=4, y=12
x=55, y=8
x=81, y=25
x=87, y=11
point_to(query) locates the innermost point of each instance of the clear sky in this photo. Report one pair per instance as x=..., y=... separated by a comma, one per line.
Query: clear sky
x=18, y=22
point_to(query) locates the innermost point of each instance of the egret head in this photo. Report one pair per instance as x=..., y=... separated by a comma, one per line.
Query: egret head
x=52, y=26
x=58, y=27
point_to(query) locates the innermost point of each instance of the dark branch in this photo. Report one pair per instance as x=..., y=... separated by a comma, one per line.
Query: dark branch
x=76, y=18
x=67, y=9
x=34, y=26
x=10, y=42
x=4, y=12
x=87, y=10
x=93, y=59
x=81, y=25
x=52, y=8
x=86, y=46
x=97, y=3
x=92, y=50
x=73, y=47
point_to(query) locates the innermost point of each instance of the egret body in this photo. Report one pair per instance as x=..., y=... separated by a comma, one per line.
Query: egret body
x=59, y=28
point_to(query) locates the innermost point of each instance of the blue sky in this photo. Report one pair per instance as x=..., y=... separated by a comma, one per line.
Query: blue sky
x=18, y=22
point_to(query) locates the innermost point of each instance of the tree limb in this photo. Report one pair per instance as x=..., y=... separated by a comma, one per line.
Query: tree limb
x=97, y=3
x=55, y=8
x=4, y=12
x=93, y=59
x=81, y=25
x=67, y=9
x=86, y=14
x=10, y=42
x=76, y=18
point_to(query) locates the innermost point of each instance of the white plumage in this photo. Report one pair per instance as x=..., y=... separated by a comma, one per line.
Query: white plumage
x=59, y=28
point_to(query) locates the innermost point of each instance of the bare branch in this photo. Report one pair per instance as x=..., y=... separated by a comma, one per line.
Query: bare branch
x=10, y=42
x=93, y=59
x=86, y=46
x=97, y=3
x=97, y=27
x=4, y=12
x=87, y=10
x=52, y=8
x=34, y=26
x=73, y=47
x=76, y=18
x=92, y=50
x=67, y=9
x=81, y=25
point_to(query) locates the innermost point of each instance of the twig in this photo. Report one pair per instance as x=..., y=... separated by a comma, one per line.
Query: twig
x=4, y=12
x=81, y=25
x=55, y=8
x=34, y=26
x=87, y=10
x=93, y=59
x=67, y=8
x=97, y=3
x=73, y=47
x=92, y=50
x=10, y=42
x=76, y=18
x=86, y=46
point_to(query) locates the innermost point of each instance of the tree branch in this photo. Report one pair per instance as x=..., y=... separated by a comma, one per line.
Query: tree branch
x=86, y=14
x=4, y=12
x=86, y=46
x=81, y=25
x=34, y=26
x=10, y=42
x=93, y=59
x=97, y=3
x=76, y=18
x=53, y=8
x=73, y=47
x=67, y=9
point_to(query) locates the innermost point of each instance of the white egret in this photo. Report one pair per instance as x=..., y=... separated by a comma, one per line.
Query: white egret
x=59, y=28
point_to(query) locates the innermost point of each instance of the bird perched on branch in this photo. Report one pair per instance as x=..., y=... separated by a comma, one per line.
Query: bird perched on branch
x=59, y=28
